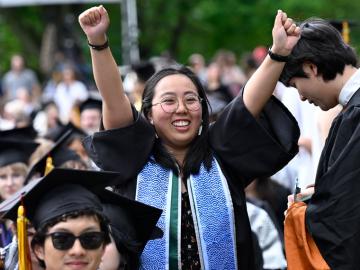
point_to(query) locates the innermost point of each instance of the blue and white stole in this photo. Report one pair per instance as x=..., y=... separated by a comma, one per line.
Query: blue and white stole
x=212, y=212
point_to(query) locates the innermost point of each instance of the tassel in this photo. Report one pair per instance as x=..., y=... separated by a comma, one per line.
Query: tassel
x=23, y=244
x=49, y=165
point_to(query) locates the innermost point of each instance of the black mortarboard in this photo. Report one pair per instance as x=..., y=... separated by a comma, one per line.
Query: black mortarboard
x=59, y=154
x=94, y=101
x=57, y=133
x=132, y=223
x=60, y=192
x=343, y=26
x=12, y=151
x=25, y=133
x=144, y=70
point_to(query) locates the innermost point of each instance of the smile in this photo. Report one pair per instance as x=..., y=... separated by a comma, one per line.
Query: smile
x=181, y=123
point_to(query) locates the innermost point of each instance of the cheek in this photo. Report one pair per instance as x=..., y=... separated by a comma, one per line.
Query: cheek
x=19, y=181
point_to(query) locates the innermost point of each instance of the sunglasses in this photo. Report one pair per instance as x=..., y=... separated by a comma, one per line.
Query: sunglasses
x=66, y=240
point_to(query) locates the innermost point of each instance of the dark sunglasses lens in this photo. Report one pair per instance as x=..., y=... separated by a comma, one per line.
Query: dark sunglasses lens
x=88, y=240
x=62, y=240
x=91, y=240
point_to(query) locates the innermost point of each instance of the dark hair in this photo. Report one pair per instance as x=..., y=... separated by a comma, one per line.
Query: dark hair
x=321, y=44
x=40, y=234
x=199, y=150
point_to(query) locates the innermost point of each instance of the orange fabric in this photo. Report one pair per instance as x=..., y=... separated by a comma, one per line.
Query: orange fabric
x=300, y=248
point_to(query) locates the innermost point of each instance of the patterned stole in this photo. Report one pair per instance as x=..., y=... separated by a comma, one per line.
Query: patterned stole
x=212, y=211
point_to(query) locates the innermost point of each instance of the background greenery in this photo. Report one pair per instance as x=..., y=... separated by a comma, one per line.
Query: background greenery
x=178, y=27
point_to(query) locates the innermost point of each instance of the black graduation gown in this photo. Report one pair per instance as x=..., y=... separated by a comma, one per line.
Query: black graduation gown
x=333, y=213
x=245, y=148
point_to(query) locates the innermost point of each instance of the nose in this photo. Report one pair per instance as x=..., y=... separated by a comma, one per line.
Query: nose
x=181, y=106
x=77, y=249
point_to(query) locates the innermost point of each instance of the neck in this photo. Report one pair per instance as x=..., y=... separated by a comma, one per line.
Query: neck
x=343, y=78
x=178, y=154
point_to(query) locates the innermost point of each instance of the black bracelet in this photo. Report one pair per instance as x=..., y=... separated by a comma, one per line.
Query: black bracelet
x=277, y=57
x=99, y=47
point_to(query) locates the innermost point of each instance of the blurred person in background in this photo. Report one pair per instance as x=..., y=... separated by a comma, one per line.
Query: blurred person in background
x=232, y=75
x=218, y=94
x=90, y=113
x=198, y=66
x=20, y=77
x=69, y=93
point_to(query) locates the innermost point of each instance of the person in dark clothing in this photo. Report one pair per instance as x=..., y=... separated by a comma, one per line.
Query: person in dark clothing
x=171, y=158
x=323, y=69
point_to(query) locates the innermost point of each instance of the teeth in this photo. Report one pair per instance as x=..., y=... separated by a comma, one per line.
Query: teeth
x=181, y=123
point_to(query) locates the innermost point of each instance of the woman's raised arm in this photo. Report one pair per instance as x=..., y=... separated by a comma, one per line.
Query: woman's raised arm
x=261, y=85
x=116, y=106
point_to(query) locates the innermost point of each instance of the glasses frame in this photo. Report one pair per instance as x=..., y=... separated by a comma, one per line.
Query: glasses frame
x=200, y=99
x=73, y=239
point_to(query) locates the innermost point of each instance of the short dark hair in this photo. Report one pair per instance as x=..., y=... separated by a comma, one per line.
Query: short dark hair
x=321, y=44
x=40, y=234
x=199, y=150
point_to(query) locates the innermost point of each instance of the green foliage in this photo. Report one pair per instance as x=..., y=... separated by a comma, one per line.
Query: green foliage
x=178, y=27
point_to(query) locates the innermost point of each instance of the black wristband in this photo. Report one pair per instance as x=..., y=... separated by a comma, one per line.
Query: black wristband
x=277, y=57
x=99, y=47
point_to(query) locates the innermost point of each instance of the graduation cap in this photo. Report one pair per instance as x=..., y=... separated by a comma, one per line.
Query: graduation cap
x=12, y=151
x=132, y=223
x=60, y=192
x=57, y=133
x=59, y=154
x=343, y=26
x=144, y=70
x=94, y=101
x=25, y=133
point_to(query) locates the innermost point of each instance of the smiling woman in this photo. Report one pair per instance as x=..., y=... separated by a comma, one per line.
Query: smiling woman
x=171, y=158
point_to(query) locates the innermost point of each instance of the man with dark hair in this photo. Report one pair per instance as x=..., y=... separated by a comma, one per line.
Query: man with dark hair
x=323, y=69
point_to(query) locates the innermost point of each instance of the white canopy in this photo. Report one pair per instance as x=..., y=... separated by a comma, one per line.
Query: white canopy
x=16, y=3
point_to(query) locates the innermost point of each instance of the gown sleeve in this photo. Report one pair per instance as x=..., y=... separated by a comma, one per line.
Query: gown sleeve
x=250, y=147
x=124, y=150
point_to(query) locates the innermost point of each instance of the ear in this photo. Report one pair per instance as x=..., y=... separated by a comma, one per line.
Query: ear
x=310, y=68
x=39, y=252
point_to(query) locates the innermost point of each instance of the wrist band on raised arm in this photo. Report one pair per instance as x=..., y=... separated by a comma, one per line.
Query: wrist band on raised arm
x=99, y=47
x=277, y=57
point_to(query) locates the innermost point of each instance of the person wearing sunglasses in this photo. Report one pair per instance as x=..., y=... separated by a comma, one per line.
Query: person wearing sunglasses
x=71, y=228
x=171, y=158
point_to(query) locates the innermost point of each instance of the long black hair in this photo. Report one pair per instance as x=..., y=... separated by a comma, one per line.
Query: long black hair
x=199, y=150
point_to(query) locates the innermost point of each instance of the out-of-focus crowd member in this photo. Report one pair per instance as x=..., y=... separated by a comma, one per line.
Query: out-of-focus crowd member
x=69, y=92
x=143, y=70
x=61, y=157
x=90, y=113
x=268, y=237
x=14, y=156
x=47, y=118
x=197, y=64
x=73, y=142
x=218, y=94
x=231, y=73
x=20, y=77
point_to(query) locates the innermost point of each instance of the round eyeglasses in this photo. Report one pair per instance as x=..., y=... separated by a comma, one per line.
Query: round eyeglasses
x=171, y=104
